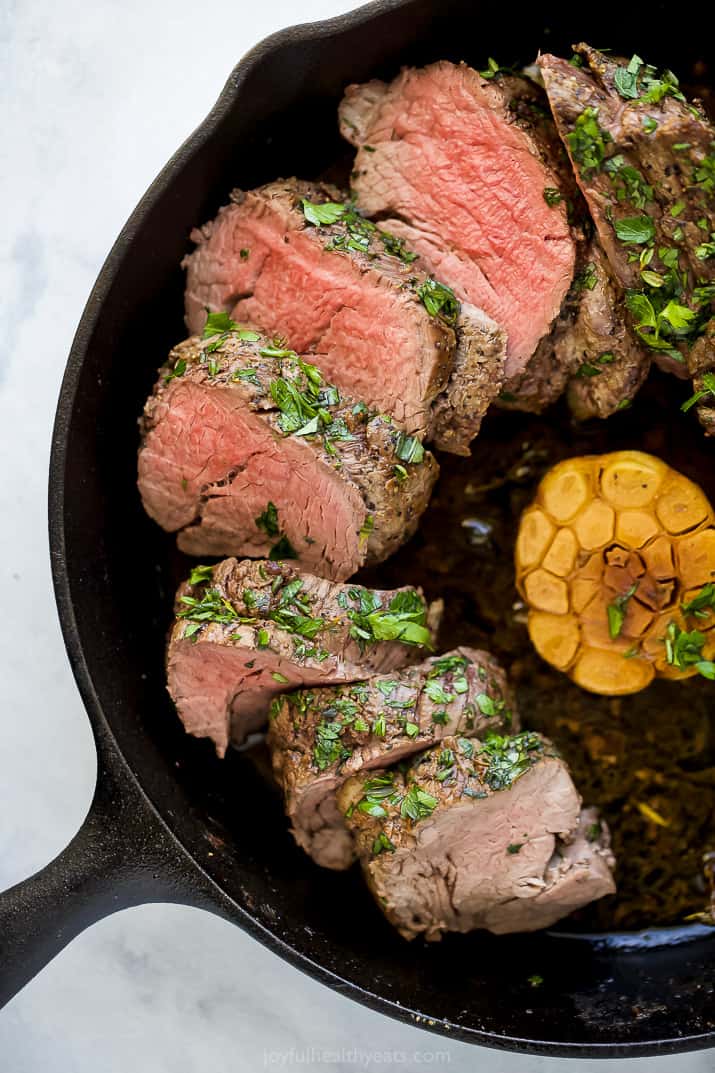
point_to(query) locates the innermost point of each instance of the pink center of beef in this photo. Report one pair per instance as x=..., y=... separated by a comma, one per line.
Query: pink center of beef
x=212, y=465
x=447, y=160
x=367, y=336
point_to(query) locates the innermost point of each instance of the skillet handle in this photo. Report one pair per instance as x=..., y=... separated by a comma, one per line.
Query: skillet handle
x=121, y=856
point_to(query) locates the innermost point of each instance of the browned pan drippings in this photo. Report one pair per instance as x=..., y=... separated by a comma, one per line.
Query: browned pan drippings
x=647, y=760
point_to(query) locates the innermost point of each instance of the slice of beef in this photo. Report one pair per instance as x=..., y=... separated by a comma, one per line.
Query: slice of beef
x=609, y=363
x=448, y=161
x=477, y=835
x=590, y=353
x=246, y=631
x=294, y=259
x=645, y=160
x=247, y=451
x=321, y=737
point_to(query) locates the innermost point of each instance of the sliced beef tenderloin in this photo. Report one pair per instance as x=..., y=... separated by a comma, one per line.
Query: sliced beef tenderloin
x=448, y=161
x=247, y=451
x=477, y=835
x=645, y=161
x=609, y=364
x=321, y=737
x=590, y=353
x=246, y=631
x=295, y=259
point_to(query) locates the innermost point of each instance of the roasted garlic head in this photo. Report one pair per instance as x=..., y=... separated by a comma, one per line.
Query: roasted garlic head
x=616, y=561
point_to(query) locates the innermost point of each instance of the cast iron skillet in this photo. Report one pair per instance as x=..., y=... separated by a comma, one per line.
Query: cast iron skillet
x=168, y=821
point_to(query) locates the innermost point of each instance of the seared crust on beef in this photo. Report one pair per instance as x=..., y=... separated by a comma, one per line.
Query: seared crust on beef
x=247, y=631
x=477, y=835
x=474, y=383
x=321, y=737
x=349, y=300
x=215, y=452
x=657, y=160
x=608, y=362
x=590, y=353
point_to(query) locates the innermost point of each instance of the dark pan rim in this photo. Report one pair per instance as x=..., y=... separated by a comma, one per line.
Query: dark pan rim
x=224, y=904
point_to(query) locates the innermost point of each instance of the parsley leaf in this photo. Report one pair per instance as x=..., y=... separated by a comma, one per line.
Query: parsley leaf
x=327, y=213
x=439, y=301
x=626, y=79
x=635, y=230
x=700, y=604
x=616, y=612
x=552, y=196
x=708, y=388
x=409, y=449
x=587, y=141
x=402, y=620
x=267, y=520
x=417, y=804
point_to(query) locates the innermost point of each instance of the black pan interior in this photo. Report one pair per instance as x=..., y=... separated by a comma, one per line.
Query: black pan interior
x=278, y=118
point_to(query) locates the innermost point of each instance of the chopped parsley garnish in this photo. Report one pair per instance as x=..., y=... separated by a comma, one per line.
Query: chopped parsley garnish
x=705, y=251
x=437, y=693
x=267, y=520
x=319, y=214
x=328, y=746
x=699, y=606
x=375, y=791
x=594, y=368
x=221, y=326
x=593, y=832
x=263, y=638
x=587, y=279
x=402, y=620
x=382, y=844
x=417, y=804
x=708, y=388
x=278, y=677
x=515, y=847
x=409, y=449
x=635, y=230
x=658, y=88
x=358, y=232
x=439, y=301
x=628, y=182
x=211, y=607
x=587, y=141
x=250, y=376
x=535, y=980
x=655, y=316
x=488, y=706
x=282, y=549
x=649, y=124
x=200, y=575
x=446, y=664
x=379, y=726
x=616, y=612
x=396, y=246
x=178, y=370
x=493, y=69
x=685, y=649
x=508, y=757
x=552, y=196
x=626, y=79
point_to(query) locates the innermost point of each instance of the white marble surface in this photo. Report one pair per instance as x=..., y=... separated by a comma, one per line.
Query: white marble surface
x=93, y=99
